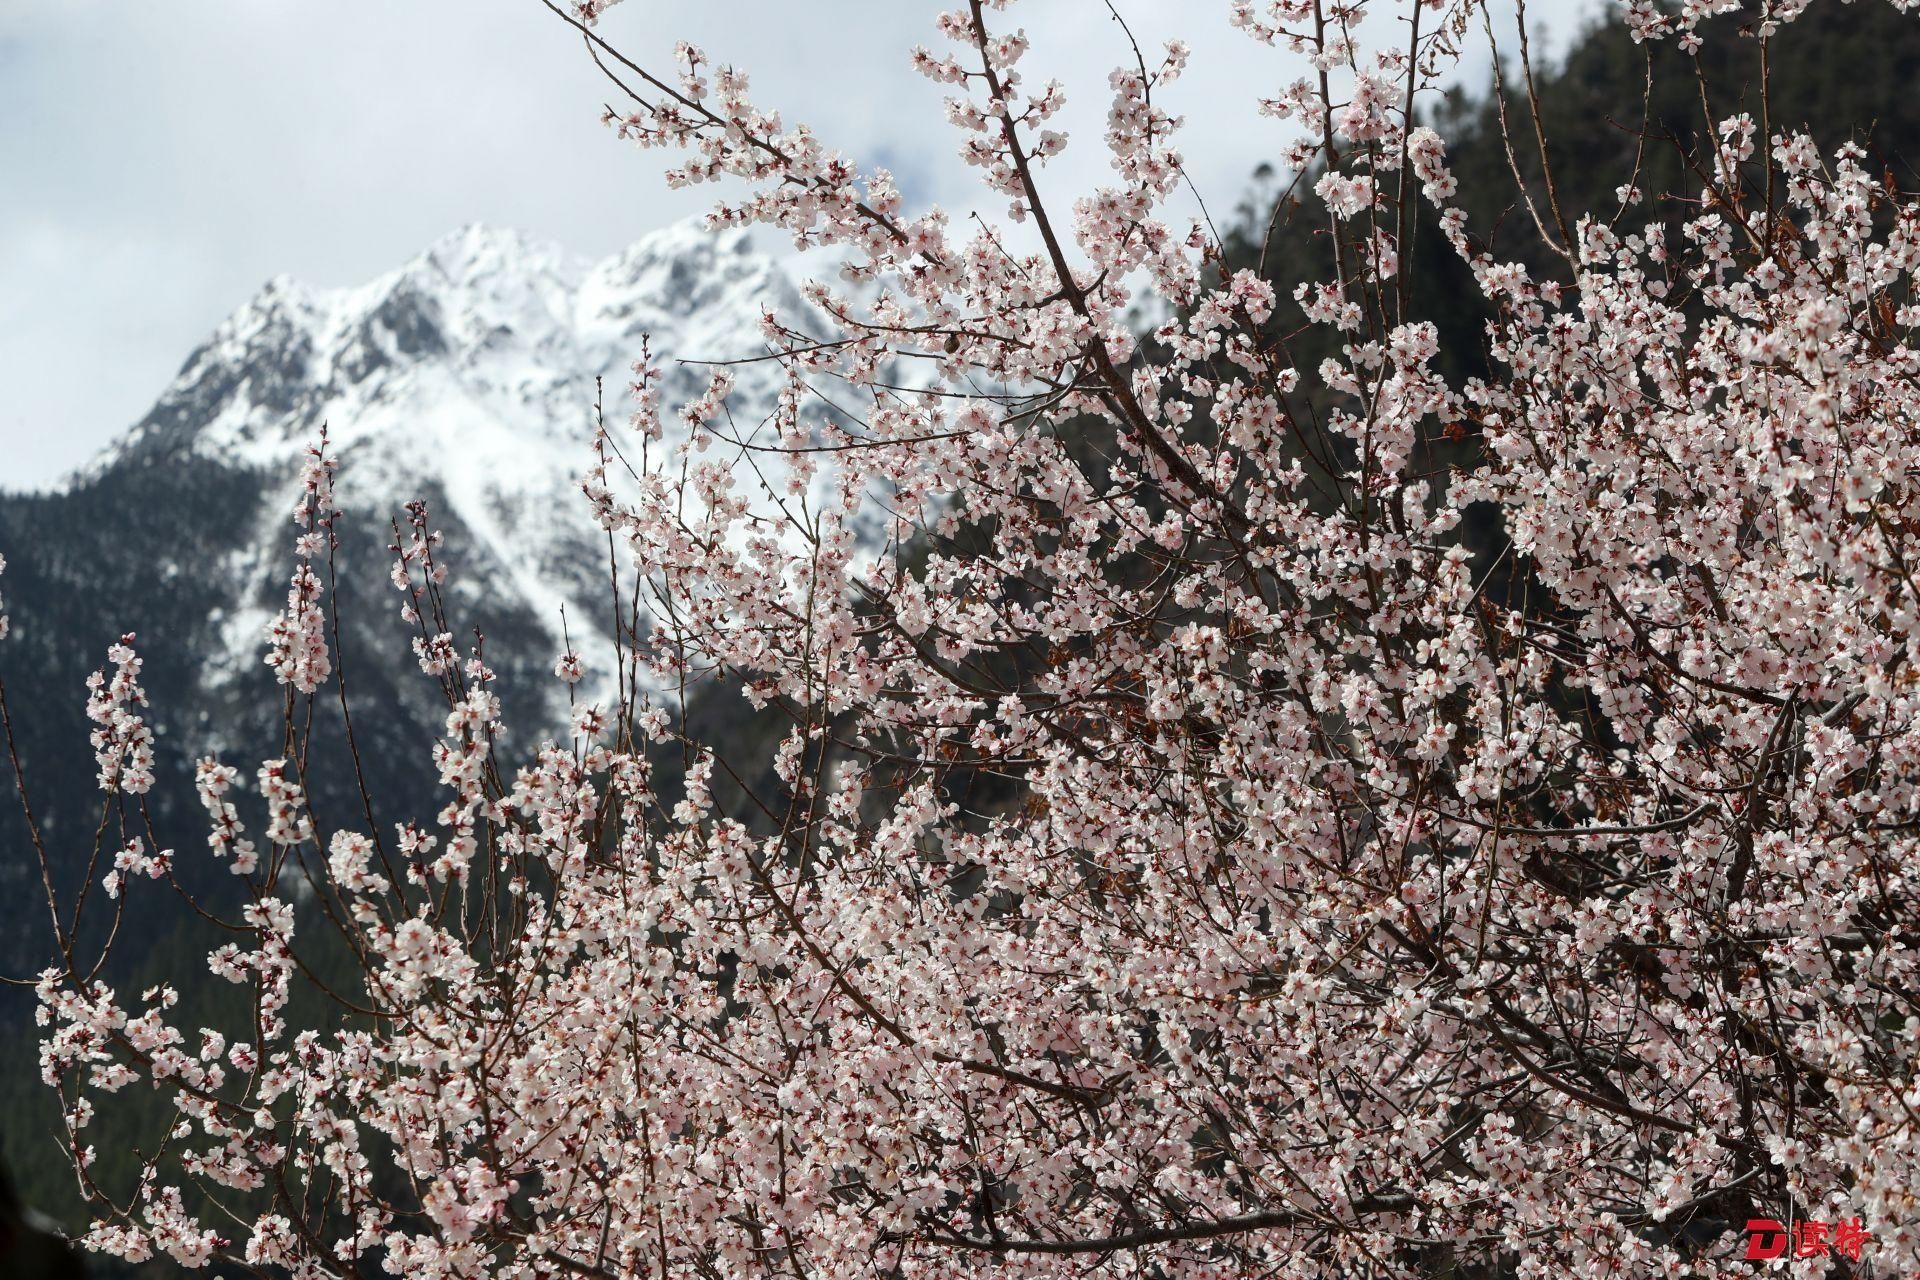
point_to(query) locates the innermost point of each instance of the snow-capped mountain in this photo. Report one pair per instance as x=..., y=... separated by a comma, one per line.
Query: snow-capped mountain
x=487, y=344
x=466, y=377
x=511, y=326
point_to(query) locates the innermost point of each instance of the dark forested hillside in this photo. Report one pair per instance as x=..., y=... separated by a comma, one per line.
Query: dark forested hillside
x=149, y=549
x=1611, y=107
x=1844, y=72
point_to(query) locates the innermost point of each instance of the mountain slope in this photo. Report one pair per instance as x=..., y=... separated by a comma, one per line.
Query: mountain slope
x=470, y=373
x=466, y=377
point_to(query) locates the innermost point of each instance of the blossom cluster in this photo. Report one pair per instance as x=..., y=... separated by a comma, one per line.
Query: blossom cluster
x=297, y=636
x=122, y=740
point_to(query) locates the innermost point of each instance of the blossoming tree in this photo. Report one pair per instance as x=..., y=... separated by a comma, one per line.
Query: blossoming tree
x=1329, y=914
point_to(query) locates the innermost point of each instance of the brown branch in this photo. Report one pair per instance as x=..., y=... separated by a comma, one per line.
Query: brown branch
x=1274, y=1220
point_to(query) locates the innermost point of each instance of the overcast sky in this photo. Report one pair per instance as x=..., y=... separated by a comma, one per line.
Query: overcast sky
x=159, y=161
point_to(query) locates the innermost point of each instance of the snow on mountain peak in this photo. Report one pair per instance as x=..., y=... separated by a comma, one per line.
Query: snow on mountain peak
x=484, y=313
x=479, y=249
x=466, y=375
